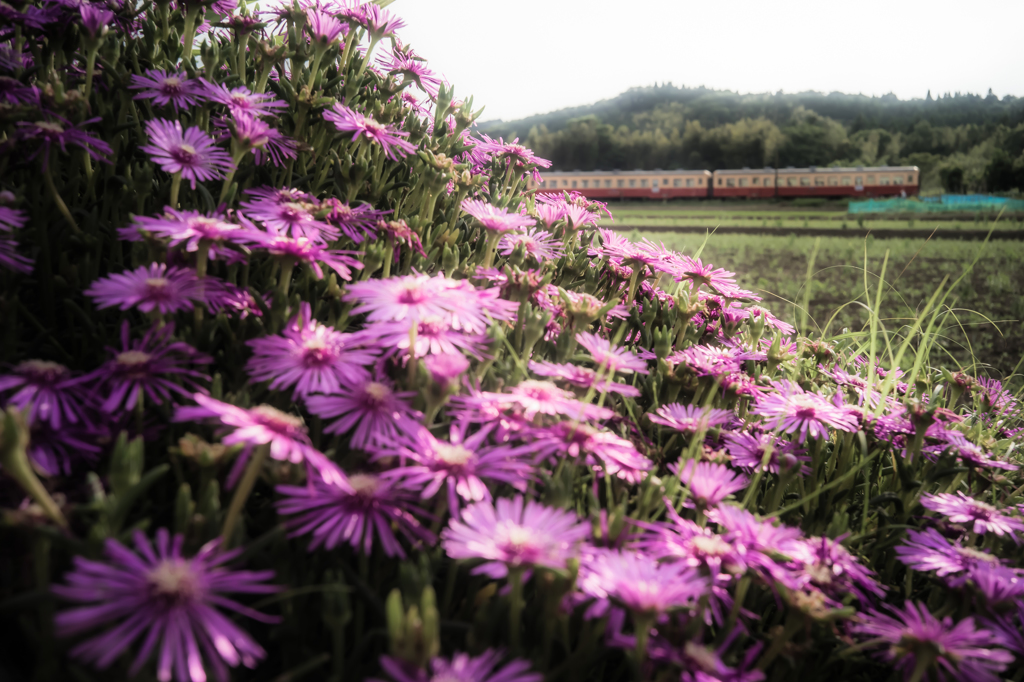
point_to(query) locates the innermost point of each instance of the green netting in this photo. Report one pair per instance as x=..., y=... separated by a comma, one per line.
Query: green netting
x=957, y=203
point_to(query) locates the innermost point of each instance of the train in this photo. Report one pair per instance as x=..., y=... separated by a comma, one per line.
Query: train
x=751, y=183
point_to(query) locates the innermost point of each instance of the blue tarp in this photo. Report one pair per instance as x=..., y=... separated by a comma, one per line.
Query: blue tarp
x=939, y=204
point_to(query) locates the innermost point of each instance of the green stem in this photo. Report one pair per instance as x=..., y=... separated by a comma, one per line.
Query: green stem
x=314, y=69
x=48, y=179
x=492, y=244
x=245, y=486
x=515, y=610
x=175, y=188
x=90, y=67
x=189, y=32
x=644, y=622
x=202, y=256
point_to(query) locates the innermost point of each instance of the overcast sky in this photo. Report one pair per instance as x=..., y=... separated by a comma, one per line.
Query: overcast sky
x=522, y=57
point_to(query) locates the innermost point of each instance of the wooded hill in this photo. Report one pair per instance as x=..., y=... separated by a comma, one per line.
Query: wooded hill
x=962, y=142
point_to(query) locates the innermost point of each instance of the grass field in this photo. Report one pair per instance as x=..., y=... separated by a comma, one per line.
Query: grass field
x=767, y=215
x=986, y=309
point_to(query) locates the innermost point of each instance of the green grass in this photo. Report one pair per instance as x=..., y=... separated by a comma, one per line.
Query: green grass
x=984, y=326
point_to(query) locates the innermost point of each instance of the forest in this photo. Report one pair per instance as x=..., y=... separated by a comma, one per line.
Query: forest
x=961, y=142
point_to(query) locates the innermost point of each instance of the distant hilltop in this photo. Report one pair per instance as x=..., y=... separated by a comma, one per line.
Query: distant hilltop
x=961, y=142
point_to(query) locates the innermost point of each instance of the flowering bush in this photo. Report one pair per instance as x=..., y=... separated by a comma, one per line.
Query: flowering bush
x=300, y=381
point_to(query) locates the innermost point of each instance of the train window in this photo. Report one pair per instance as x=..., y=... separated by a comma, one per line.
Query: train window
x=819, y=182
x=768, y=181
x=643, y=182
x=833, y=181
x=805, y=182
x=586, y=183
x=743, y=182
x=573, y=183
x=730, y=182
x=884, y=180
x=719, y=182
x=846, y=182
x=755, y=181
x=632, y=183
x=910, y=179
x=654, y=182
x=677, y=183
x=607, y=183
x=621, y=183
x=897, y=179
x=664, y=182
x=859, y=181
x=871, y=179
x=689, y=182
x=790, y=182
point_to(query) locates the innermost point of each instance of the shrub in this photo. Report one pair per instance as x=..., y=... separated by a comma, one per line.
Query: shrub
x=300, y=380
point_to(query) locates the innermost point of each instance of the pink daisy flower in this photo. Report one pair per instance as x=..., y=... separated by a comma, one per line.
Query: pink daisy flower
x=602, y=450
x=514, y=534
x=709, y=483
x=303, y=250
x=979, y=516
x=254, y=134
x=354, y=510
x=241, y=100
x=747, y=451
x=149, y=287
x=392, y=141
x=371, y=407
x=535, y=242
x=311, y=357
x=639, y=582
x=496, y=219
x=12, y=260
x=171, y=601
x=152, y=366
x=420, y=297
x=187, y=227
x=191, y=152
x=542, y=397
x=48, y=391
x=462, y=668
x=581, y=377
x=803, y=413
x=611, y=358
x=262, y=425
x=463, y=463
x=165, y=87
x=289, y=213
x=689, y=418
x=433, y=336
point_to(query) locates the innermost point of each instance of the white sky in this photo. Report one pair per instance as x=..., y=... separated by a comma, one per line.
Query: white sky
x=523, y=57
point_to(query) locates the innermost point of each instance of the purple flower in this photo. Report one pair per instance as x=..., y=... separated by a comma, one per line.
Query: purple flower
x=55, y=452
x=168, y=600
x=191, y=152
x=187, y=227
x=928, y=550
x=62, y=133
x=392, y=141
x=913, y=637
x=150, y=367
x=463, y=463
x=689, y=418
x=432, y=336
x=378, y=22
x=462, y=668
x=289, y=213
x=303, y=250
x=48, y=392
x=602, y=450
x=747, y=451
x=13, y=91
x=323, y=28
x=800, y=412
x=355, y=222
x=372, y=407
x=241, y=100
x=445, y=368
x=421, y=297
x=639, y=582
x=611, y=358
x=513, y=534
x=152, y=287
x=698, y=273
x=165, y=87
x=980, y=517
x=249, y=133
x=538, y=243
x=412, y=69
x=353, y=510
x=12, y=260
x=497, y=220
x=582, y=377
x=533, y=397
x=709, y=483
x=310, y=357
x=262, y=425
x=95, y=19
x=706, y=361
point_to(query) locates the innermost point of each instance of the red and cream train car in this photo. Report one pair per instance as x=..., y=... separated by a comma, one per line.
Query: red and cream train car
x=754, y=183
x=636, y=184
